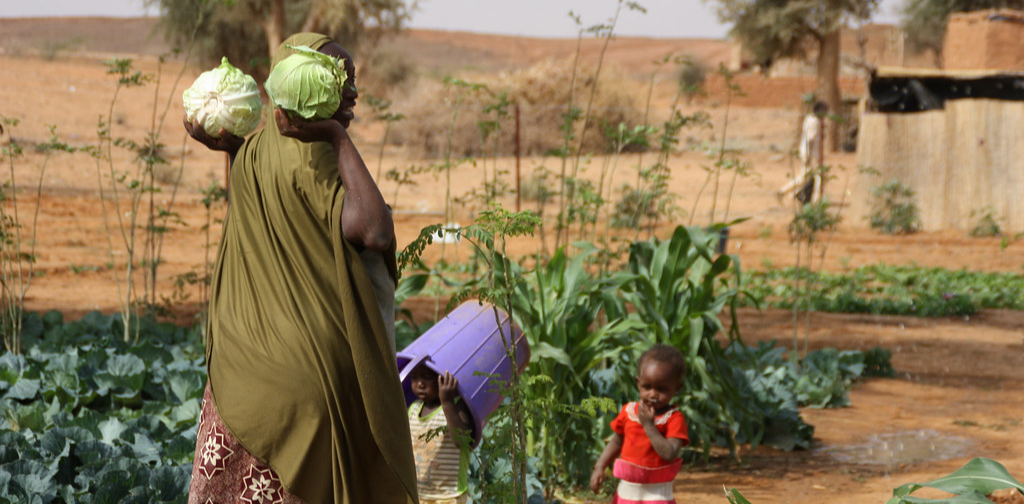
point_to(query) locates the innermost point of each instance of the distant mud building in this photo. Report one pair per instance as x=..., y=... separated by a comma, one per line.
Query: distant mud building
x=956, y=135
x=985, y=40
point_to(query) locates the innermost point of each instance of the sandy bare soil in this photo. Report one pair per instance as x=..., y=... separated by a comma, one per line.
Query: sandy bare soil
x=956, y=396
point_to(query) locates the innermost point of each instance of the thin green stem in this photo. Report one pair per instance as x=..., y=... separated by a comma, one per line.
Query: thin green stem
x=589, y=109
x=721, y=149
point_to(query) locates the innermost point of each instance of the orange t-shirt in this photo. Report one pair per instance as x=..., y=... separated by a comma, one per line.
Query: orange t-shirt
x=636, y=446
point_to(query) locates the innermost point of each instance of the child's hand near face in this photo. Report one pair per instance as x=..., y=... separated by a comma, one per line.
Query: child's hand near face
x=456, y=415
x=646, y=414
x=667, y=448
x=447, y=387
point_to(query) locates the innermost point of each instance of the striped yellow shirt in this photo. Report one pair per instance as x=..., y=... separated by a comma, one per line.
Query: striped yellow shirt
x=441, y=466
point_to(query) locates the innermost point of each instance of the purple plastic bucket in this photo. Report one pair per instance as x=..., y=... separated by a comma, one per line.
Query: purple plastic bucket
x=465, y=341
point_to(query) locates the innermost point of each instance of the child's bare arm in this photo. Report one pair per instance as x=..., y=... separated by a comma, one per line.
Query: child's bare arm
x=447, y=391
x=667, y=448
x=609, y=454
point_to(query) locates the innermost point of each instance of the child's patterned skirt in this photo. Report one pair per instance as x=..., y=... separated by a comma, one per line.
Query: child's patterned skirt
x=645, y=485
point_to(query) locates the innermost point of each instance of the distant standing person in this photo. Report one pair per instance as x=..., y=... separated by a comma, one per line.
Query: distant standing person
x=807, y=186
x=648, y=433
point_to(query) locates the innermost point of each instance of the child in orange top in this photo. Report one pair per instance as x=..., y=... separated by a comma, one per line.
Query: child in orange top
x=648, y=434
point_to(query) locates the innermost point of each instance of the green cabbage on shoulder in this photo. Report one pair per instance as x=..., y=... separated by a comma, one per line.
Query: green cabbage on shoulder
x=307, y=84
x=224, y=98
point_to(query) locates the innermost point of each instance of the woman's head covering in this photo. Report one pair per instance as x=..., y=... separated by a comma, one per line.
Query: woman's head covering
x=308, y=39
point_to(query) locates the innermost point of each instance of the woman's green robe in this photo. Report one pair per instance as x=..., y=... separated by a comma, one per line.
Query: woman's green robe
x=300, y=364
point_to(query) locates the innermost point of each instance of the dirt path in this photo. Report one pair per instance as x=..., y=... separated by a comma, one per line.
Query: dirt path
x=956, y=396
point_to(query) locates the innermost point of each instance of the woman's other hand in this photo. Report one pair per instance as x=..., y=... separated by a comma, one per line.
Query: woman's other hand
x=226, y=143
x=326, y=130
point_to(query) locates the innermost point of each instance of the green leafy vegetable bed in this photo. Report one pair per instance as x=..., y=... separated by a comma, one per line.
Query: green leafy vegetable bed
x=888, y=290
x=89, y=418
x=773, y=388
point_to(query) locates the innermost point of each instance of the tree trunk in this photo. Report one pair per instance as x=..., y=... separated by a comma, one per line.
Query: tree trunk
x=828, y=83
x=274, y=26
x=312, y=22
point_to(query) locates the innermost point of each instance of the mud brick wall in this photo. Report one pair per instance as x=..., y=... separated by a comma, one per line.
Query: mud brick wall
x=960, y=161
x=989, y=39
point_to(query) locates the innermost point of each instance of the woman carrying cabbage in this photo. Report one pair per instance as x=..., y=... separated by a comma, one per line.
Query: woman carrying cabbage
x=303, y=402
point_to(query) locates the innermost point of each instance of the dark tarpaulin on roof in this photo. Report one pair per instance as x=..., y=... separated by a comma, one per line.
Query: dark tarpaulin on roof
x=929, y=91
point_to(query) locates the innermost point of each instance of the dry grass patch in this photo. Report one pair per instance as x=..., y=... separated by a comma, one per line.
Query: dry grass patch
x=543, y=92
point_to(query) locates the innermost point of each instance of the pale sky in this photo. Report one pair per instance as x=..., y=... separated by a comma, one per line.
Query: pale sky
x=534, y=18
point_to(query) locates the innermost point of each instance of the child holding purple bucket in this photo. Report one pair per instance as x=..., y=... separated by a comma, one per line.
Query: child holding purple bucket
x=648, y=433
x=442, y=461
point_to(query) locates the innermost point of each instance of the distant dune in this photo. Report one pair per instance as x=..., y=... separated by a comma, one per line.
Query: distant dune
x=90, y=34
x=436, y=50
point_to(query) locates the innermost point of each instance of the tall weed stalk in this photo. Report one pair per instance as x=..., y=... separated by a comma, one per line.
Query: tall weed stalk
x=138, y=187
x=809, y=222
x=17, y=266
x=560, y=306
x=723, y=161
x=461, y=89
x=214, y=195
x=569, y=119
x=102, y=153
x=570, y=181
x=158, y=216
x=607, y=32
x=489, y=235
x=380, y=107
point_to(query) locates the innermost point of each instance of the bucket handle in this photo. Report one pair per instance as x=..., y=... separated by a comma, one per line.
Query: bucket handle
x=409, y=366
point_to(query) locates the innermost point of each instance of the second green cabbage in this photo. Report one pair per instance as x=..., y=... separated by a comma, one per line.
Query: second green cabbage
x=307, y=83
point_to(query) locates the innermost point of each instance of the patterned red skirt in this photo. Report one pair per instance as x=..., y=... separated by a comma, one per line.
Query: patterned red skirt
x=226, y=473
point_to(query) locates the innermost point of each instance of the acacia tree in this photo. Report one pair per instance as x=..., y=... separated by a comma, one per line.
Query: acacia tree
x=249, y=31
x=924, y=21
x=773, y=29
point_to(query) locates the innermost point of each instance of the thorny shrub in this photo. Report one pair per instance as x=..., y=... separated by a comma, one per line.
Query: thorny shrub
x=893, y=209
x=986, y=223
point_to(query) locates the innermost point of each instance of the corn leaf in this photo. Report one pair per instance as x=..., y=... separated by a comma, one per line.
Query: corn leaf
x=980, y=475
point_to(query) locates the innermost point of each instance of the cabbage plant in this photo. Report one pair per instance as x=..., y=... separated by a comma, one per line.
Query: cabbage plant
x=224, y=98
x=307, y=83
